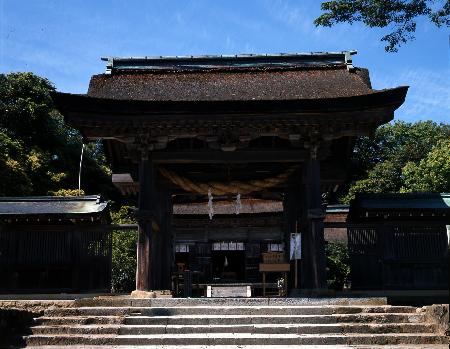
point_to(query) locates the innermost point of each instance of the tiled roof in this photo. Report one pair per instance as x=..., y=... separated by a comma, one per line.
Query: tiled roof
x=51, y=205
x=402, y=201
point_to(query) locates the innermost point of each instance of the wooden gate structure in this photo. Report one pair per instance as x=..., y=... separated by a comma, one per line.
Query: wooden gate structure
x=182, y=129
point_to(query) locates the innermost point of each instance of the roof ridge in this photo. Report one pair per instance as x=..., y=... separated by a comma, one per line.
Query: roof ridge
x=241, y=61
x=242, y=55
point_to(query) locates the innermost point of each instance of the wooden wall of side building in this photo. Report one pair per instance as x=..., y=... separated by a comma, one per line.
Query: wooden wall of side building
x=54, y=258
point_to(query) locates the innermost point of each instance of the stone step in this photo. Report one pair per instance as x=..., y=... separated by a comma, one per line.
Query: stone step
x=274, y=319
x=78, y=320
x=237, y=310
x=233, y=322
x=253, y=328
x=233, y=319
x=238, y=339
x=231, y=302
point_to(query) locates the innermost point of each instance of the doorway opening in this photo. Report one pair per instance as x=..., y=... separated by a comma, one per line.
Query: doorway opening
x=228, y=266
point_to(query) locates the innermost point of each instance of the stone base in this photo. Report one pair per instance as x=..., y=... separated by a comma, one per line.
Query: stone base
x=151, y=294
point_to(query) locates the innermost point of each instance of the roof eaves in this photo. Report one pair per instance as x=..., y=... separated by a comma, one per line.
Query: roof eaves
x=96, y=198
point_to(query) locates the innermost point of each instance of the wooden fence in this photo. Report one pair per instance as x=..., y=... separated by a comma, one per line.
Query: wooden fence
x=410, y=255
x=55, y=259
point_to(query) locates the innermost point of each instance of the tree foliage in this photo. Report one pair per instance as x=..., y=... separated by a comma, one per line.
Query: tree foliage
x=123, y=252
x=338, y=265
x=431, y=173
x=399, y=15
x=39, y=153
x=387, y=162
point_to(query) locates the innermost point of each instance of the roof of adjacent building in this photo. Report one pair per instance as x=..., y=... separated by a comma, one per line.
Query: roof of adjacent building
x=232, y=78
x=52, y=205
x=402, y=201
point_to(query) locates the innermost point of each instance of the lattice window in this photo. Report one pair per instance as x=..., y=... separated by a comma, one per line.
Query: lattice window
x=362, y=240
x=419, y=242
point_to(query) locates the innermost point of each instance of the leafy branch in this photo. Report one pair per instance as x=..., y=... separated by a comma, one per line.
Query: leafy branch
x=399, y=15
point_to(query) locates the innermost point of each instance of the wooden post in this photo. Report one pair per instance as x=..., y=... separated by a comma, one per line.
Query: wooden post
x=264, y=283
x=314, y=222
x=145, y=217
x=291, y=212
x=305, y=263
x=163, y=246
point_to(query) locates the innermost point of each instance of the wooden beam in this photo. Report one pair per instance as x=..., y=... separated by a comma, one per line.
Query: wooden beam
x=217, y=157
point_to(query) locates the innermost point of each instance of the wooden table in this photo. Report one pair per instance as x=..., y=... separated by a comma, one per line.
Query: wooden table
x=283, y=268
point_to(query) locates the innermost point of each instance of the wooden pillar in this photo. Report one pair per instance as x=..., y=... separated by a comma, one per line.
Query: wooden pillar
x=168, y=258
x=314, y=215
x=305, y=271
x=291, y=207
x=162, y=248
x=145, y=218
x=154, y=249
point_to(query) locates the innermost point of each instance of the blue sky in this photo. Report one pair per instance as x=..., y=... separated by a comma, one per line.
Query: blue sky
x=64, y=40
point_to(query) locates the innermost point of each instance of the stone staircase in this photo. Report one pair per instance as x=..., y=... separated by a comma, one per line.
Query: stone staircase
x=201, y=322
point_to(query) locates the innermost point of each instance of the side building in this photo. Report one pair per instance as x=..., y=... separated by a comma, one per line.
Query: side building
x=54, y=244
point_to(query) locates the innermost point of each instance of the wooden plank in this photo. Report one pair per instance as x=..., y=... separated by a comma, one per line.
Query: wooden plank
x=278, y=267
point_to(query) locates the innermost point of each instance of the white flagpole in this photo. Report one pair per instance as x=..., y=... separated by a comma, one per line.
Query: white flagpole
x=79, y=173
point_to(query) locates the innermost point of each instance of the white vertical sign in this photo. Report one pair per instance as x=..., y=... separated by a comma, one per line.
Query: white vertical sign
x=296, y=246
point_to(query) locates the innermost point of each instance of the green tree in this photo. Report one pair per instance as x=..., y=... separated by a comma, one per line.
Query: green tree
x=431, y=173
x=123, y=252
x=398, y=15
x=39, y=152
x=379, y=162
x=13, y=167
x=26, y=108
x=338, y=265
